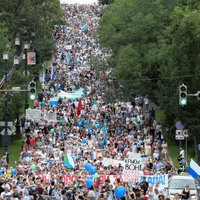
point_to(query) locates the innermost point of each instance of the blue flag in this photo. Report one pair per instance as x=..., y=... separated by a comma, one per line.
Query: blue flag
x=104, y=129
x=52, y=73
x=44, y=74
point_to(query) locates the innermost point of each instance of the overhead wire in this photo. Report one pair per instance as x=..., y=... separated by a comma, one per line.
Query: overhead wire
x=161, y=78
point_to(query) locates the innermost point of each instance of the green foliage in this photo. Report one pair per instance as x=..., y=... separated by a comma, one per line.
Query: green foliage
x=24, y=17
x=14, y=151
x=156, y=47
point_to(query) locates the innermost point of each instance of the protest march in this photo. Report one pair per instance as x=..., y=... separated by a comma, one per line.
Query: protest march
x=76, y=144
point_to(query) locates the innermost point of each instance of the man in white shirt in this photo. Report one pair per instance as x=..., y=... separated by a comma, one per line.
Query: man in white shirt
x=7, y=193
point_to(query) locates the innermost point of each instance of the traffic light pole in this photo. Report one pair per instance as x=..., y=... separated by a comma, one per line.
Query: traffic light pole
x=26, y=75
x=193, y=95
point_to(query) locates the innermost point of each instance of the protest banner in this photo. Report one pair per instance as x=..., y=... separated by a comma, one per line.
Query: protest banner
x=161, y=179
x=68, y=47
x=33, y=114
x=132, y=164
x=50, y=116
x=66, y=178
x=135, y=177
x=134, y=155
x=109, y=161
x=31, y=58
x=132, y=170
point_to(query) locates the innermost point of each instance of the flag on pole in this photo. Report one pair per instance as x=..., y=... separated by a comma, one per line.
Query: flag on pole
x=84, y=27
x=68, y=161
x=43, y=74
x=94, y=105
x=93, y=155
x=104, y=129
x=52, y=73
x=193, y=169
x=79, y=108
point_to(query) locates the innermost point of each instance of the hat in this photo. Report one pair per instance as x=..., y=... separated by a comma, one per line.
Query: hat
x=187, y=186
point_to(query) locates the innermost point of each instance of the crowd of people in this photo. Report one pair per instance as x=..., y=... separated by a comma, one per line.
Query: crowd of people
x=86, y=129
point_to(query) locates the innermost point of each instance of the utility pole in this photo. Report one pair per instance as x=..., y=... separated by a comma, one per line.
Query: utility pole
x=6, y=138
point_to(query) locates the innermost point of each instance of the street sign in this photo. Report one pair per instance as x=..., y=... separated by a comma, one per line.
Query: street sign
x=179, y=125
x=179, y=135
x=24, y=73
x=9, y=132
x=2, y=123
x=185, y=133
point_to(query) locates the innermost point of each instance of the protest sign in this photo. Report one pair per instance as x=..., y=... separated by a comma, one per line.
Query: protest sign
x=134, y=155
x=50, y=116
x=109, y=161
x=68, y=47
x=66, y=178
x=31, y=58
x=132, y=164
x=161, y=179
x=132, y=169
x=33, y=114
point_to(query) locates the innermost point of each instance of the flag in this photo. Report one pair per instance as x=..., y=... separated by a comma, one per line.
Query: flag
x=193, y=169
x=93, y=155
x=43, y=75
x=52, y=73
x=68, y=161
x=94, y=105
x=79, y=108
x=68, y=58
x=94, y=102
x=104, y=129
x=85, y=26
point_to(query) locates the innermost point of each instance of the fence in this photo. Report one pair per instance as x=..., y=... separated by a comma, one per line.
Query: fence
x=11, y=72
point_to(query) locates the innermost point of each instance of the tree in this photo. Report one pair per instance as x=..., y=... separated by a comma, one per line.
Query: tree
x=131, y=28
x=156, y=48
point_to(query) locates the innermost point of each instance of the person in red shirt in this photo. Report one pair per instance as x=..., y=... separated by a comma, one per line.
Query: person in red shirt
x=32, y=142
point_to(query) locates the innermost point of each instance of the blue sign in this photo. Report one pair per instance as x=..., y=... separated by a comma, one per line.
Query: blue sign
x=152, y=179
x=179, y=125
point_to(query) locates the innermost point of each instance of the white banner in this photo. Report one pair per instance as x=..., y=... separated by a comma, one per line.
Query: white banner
x=68, y=47
x=134, y=155
x=33, y=114
x=50, y=116
x=109, y=161
x=132, y=164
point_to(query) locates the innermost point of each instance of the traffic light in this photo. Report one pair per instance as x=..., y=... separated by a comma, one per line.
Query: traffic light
x=198, y=95
x=182, y=95
x=32, y=90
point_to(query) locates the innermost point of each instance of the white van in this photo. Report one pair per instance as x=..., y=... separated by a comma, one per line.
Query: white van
x=178, y=182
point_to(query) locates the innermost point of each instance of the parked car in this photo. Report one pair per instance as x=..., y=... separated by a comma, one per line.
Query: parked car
x=178, y=182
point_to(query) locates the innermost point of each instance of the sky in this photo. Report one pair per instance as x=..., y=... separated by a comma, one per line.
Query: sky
x=79, y=1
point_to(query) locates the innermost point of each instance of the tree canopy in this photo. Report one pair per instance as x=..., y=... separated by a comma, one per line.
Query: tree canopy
x=156, y=48
x=22, y=17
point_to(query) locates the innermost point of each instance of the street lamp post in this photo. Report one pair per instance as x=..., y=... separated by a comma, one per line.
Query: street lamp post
x=6, y=138
x=26, y=46
x=17, y=44
x=16, y=63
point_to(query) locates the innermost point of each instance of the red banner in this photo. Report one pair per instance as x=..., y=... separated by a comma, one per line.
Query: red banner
x=66, y=178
